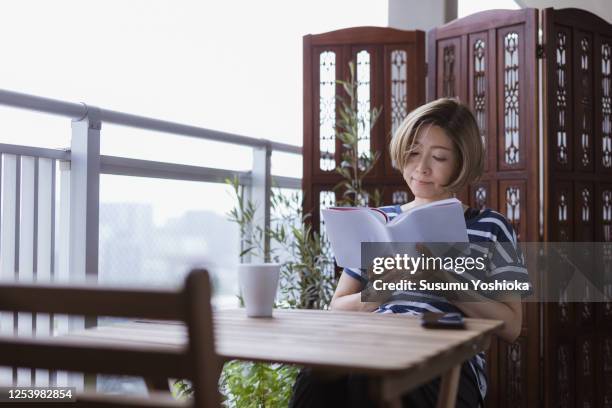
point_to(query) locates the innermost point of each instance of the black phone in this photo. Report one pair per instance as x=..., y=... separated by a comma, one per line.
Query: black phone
x=432, y=320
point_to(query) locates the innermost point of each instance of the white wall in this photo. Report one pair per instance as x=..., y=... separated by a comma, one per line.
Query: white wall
x=424, y=15
x=421, y=15
x=603, y=8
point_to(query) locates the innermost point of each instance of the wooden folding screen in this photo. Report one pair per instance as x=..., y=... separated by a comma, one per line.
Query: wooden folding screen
x=390, y=71
x=488, y=61
x=577, y=337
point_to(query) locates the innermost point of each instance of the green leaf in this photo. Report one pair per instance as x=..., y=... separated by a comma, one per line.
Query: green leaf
x=246, y=251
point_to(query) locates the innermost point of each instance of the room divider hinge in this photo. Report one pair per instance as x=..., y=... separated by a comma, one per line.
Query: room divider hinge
x=540, y=54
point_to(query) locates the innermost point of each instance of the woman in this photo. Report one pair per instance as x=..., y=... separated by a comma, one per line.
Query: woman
x=438, y=149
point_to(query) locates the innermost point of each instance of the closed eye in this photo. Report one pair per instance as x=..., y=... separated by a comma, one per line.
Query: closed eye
x=440, y=159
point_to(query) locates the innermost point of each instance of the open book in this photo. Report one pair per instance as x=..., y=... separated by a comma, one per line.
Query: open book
x=348, y=227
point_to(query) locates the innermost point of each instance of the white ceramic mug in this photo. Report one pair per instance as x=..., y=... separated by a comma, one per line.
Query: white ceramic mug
x=258, y=284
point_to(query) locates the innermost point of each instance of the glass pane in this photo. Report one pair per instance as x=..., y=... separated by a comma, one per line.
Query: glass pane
x=481, y=197
x=448, y=72
x=480, y=88
x=327, y=109
x=152, y=231
x=399, y=84
x=363, y=102
x=606, y=209
x=586, y=205
x=583, y=110
x=511, y=98
x=326, y=199
x=561, y=93
x=513, y=204
x=606, y=105
x=399, y=197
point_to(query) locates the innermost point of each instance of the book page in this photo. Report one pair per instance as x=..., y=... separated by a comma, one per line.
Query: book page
x=346, y=229
x=444, y=222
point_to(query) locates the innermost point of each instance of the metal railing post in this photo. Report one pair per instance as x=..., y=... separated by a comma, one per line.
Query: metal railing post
x=260, y=194
x=85, y=205
x=85, y=195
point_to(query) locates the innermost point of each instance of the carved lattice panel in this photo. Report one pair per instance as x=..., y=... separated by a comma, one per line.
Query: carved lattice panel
x=482, y=195
x=583, y=101
x=603, y=123
x=365, y=98
x=512, y=199
x=564, y=375
x=399, y=95
x=585, y=371
x=603, y=221
x=449, y=63
x=585, y=311
x=369, y=96
x=604, y=213
x=326, y=70
x=511, y=149
x=584, y=212
x=397, y=60
x=514, y=358
x=561, y=212
x=564, y=310
x=479, y=93
x=562, y=107
x=398, y=195
x=604, y=310
x=561, y=313
x=606, y=369
x=326, y=199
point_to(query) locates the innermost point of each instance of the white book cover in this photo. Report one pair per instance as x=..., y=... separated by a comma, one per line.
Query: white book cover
x=348, y=227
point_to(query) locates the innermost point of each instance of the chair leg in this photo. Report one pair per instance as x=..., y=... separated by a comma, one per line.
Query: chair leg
x=447, y=398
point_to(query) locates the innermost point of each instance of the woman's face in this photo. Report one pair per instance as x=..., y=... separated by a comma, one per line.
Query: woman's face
x=431, y=164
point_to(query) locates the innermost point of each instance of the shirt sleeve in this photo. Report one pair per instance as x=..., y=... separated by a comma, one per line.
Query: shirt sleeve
x=506, y=259
x=358, y=274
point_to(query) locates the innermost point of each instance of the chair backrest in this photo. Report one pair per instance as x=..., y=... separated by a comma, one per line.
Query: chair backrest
x=197, y=361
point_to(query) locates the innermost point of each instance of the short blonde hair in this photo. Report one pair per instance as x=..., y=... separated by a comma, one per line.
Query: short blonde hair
x=459, y=125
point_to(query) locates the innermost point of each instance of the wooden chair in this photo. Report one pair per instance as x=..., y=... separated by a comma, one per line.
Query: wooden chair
x=197, y=361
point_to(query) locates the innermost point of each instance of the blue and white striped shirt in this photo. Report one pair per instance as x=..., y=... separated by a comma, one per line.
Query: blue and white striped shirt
x=484, y=228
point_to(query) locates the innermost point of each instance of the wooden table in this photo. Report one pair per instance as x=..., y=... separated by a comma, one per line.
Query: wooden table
x=394, y=350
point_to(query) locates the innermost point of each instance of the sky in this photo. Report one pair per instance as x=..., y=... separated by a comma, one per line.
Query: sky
x=234, y=66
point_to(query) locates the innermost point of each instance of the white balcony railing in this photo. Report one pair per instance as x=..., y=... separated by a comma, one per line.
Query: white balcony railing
x=28, y=229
